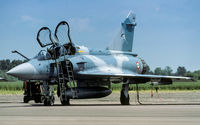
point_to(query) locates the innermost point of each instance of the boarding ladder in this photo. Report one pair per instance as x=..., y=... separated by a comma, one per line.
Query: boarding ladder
x=71, y=80
x=65, y=74
x=61, y=78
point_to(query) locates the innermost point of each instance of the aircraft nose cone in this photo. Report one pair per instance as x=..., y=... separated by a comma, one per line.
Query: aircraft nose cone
x=23, y=71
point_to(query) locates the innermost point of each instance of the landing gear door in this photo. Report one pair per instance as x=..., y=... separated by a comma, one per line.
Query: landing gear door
x=44, y=37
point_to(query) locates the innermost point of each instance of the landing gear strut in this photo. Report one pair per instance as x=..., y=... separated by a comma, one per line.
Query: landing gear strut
x=124, y=97
x=138, y=97
x=48, y=94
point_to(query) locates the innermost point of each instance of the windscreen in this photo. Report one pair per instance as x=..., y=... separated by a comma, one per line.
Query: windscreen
x=43, y=55
x=44, y=37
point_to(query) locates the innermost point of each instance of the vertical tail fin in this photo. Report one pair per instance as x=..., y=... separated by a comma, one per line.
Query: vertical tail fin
x=124, y=39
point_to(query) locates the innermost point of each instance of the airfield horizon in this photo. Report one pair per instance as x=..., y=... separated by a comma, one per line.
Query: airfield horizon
x=17, y=87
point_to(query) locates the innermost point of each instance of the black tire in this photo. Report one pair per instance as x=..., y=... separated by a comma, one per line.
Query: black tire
x=38, y=99
x=123, y=99
x=65, y=102
x=26, y=99
x=49, y=101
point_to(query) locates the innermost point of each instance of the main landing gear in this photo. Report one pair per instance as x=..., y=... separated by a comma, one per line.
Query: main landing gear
x=138, y=95
x=63, y=97
x=64, y=100
x=124, y=97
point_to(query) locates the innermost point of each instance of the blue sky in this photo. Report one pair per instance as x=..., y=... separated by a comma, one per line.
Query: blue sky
x=167, y=32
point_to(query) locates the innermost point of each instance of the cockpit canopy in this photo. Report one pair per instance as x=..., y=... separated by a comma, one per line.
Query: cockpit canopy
x=43, y=55
x=61, y=36
x=60, y=44
x=44, y=37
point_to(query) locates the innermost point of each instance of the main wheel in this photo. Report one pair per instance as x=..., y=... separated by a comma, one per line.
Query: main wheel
x=26, y=99
x=38, y=99
x=49, y=101
x=65, y=101
x=123, y=99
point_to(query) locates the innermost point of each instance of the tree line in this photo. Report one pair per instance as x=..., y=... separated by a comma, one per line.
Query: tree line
x=180, y=71
x=6, y=65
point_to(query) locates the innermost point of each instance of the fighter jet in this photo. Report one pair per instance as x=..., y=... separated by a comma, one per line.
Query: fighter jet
x=82, y=73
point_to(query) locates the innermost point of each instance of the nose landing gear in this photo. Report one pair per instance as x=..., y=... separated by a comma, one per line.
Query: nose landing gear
x=48, y=94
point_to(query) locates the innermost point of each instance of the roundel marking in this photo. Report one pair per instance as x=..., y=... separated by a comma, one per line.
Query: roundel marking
x=138, y=65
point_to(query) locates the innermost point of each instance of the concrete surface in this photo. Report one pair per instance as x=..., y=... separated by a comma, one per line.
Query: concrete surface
x=105, y=111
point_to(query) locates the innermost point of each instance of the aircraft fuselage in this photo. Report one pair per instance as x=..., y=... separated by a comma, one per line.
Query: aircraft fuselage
x=103, y=61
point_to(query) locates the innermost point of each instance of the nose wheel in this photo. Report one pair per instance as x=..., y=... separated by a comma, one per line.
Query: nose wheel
x=48, y=94
x=124, y=95
x=49, y=101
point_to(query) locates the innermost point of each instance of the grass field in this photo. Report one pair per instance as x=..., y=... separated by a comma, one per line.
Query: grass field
x=17, y=87
x=11, y=86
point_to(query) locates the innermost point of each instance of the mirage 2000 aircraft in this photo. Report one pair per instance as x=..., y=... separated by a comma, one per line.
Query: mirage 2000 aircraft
x=82, y=73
